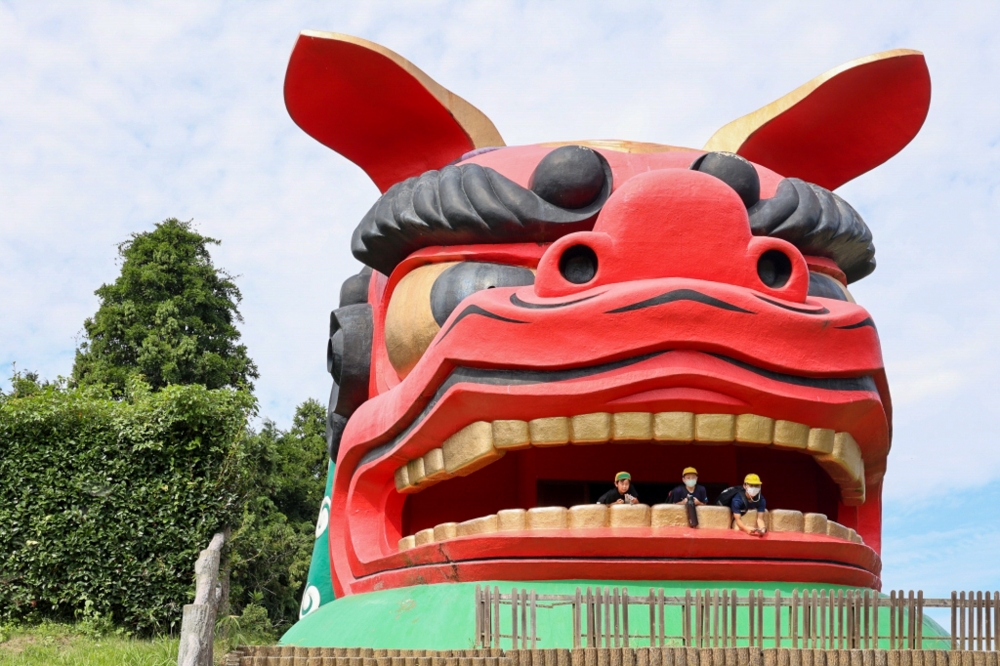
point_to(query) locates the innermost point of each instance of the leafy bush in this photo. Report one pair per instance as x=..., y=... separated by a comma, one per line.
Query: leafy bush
x=105, y=504
x=272, y=547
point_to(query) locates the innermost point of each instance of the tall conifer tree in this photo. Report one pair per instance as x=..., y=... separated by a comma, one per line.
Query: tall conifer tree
x=170, y=316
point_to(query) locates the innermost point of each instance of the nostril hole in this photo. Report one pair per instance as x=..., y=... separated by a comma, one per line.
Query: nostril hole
x=774, y=268
x=578, y=264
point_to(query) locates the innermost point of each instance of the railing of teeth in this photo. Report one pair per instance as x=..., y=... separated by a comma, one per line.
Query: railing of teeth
x=806, y=619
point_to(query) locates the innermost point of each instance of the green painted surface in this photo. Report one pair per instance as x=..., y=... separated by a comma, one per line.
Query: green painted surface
x=319, y=586
x=442, y=617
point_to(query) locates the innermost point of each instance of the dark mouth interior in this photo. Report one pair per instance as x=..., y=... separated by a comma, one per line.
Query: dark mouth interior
x=570, y=475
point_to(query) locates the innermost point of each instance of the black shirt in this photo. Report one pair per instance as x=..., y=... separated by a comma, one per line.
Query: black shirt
x=680, y=494
x=613, y=496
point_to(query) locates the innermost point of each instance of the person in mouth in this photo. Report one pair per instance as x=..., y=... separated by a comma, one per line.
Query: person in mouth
x=750, y=498
x=623, y=492
x=689, y=491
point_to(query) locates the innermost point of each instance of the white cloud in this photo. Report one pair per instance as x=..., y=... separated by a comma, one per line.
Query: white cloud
x=114, y=116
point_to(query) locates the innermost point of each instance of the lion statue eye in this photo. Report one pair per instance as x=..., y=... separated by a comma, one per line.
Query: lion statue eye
x=424, y=299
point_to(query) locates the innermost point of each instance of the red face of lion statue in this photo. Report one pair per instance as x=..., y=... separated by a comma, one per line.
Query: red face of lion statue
x=536, y=318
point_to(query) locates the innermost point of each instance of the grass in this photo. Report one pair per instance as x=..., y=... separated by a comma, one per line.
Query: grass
x=52, y=644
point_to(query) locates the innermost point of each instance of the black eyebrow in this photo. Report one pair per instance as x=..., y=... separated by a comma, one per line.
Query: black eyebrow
x=476, y=310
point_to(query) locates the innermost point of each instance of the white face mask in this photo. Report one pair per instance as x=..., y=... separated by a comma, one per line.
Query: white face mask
x=690, y=483
x=753, y=491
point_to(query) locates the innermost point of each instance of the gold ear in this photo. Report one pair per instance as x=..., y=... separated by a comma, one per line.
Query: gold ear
x=378, y=109
x=839, y=125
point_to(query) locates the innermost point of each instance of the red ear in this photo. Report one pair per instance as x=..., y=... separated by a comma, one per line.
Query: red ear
x=839, y=125
x=377, y=109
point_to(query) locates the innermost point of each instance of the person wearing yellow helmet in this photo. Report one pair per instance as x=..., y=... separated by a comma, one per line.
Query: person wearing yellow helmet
x=750, y=498
x=623, y=492
x=689, y=491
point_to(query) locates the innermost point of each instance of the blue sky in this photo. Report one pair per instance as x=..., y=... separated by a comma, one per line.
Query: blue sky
x=114, y=116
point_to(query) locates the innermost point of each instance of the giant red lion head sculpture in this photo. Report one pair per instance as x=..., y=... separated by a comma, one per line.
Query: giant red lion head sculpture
x=535, y=318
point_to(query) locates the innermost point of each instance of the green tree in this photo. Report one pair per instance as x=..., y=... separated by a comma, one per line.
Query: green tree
x=170, y=316
x=271, y=549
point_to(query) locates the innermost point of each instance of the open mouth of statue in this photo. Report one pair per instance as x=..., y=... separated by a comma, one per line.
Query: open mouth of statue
x=478, y=500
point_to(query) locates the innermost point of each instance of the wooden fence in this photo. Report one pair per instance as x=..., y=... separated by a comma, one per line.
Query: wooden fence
x=814, y=619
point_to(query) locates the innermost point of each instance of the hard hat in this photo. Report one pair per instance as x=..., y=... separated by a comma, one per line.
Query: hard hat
x=752, y=480
x=689, y=470
x=621, y=476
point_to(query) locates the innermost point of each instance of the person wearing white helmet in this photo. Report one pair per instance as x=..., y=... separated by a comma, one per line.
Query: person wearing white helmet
x=750, y=498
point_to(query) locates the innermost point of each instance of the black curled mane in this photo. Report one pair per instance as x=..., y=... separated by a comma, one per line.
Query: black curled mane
x=459, y=205
x=817, y=222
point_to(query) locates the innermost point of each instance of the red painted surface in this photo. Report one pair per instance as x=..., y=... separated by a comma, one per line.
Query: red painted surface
x=850, y=124
x=370, y=110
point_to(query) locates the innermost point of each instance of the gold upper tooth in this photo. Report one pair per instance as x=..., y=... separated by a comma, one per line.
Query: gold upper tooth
x=673, y=427
x=590, y=428
x=714, y=427
x=469, y=449
x=509, y=435
x=753, y=429
x=552, y=431
x=632, y=426
x=482, y=442
x=790, y=435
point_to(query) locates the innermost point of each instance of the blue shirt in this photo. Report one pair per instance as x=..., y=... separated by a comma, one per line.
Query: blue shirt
x=741, y=504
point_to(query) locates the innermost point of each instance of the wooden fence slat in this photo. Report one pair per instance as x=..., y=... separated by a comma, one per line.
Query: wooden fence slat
x=576, y=619
x=615, y=609
x=652, y=618
x=760, y=618
x=534, y=620
x=732, y=595
x=752, y=616
x=686, y=619
x=625, y=616
x=660, y=603
x=777, y=618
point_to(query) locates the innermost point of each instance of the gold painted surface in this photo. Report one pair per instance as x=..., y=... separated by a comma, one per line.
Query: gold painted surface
x=434, y=466
x=552, y=431
x=713, y=517
x=511, y=520
x=854, y=536
x=510, y=435
x=628, y=515
x=632, y=427
x=714, y=427
x=445, y=531
x=733, y=135
x=587, y=516
x=406, y=543
x=590, y=428
x=750, y=519
x=753, y=429
x=790, y=435
x=409, y=323
x=673, y=427
x=547, y=518
x=484, y=525
x=637, y=147
x=668, y=515
x=470, y=449
x=480, y=129
x=402, y=478
x=424, y=536
x=837, y=531
x=814, y=523
x=783, y=520
x=415, y=470
x=821, y=440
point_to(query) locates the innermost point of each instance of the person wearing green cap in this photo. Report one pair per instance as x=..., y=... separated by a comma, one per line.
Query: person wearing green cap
x=623, y=492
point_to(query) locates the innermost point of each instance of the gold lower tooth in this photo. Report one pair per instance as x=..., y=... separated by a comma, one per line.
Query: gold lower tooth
x=596, y=516
x=547, y=518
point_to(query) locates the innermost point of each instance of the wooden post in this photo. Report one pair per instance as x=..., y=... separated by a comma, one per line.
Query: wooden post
x=725, y=617
x=479, y=617
x=660, y=602
x=197, y=636
x=733, y=633
x=892, y=620
x=513, y=618
x=652, y=618
x=496, y=615
x=534, y=623
x=954, y=619
x=920, y=621
x=625, y=616
x=760, y=619
x=750, y=618
x=590, y=618
x=777, y=618
x=576, y=619
x=616, y=606
x=607, y=617
x=793, y=619
x=598, y=627
x=876, y=605
x=686, y=619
